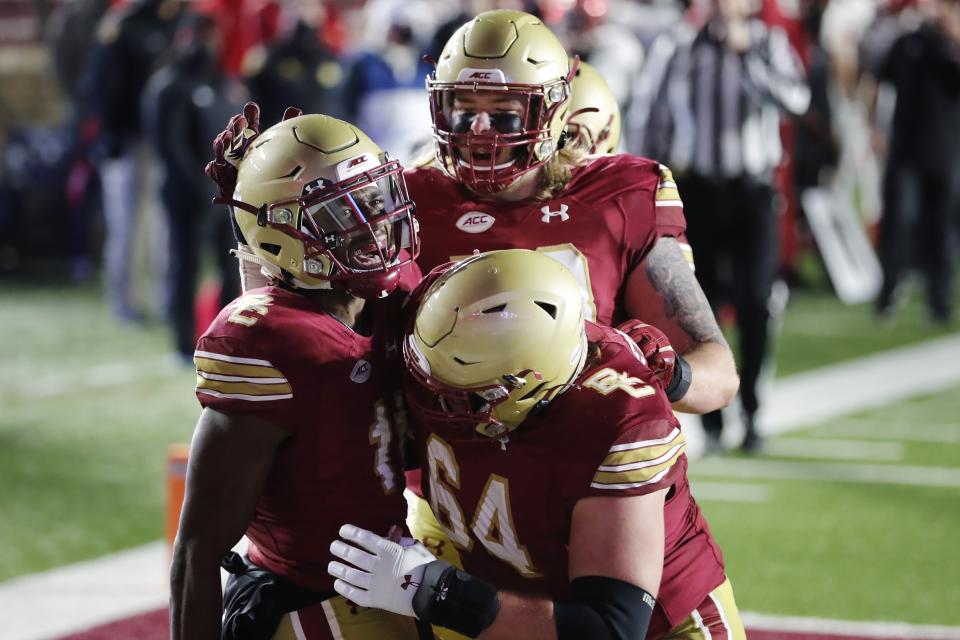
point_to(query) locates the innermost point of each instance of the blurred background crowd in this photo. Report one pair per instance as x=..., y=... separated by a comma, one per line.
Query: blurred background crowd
x=108, y=109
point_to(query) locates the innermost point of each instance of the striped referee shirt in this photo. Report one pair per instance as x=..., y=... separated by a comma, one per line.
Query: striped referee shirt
x=714, y=112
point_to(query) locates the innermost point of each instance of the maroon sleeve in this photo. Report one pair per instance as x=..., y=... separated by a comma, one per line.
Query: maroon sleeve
x=640, y=461
x=231, y=379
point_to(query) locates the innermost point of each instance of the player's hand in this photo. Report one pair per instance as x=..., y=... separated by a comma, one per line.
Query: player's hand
x=229, y=147
x=655, y=347
x=384, y=574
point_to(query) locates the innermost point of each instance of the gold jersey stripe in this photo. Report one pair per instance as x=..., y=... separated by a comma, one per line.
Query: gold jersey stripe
x=667, y=193
x=243, y=388
x=637, y=476
x=208, y=365
x=646, y=454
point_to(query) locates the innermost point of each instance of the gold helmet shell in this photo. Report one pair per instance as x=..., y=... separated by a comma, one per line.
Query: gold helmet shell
x=501, y=51
x=594, y=122
x=319, y=203
x=496, y=337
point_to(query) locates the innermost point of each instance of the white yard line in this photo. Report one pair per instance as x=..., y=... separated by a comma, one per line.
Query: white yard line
x=926, y=432
x=710, y=491
x=53, y=603
x=80, y=596
x=878, y=629
x=874, y=381
x=834, y=449
x=745, y=469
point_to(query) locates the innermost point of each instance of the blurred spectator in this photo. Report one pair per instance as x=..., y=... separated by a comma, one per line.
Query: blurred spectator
x=71, y=35
x=384, y=89
x=297, y=69
x=921, y=181
x=608, y=45
x=131, y=40
x=816, y=151
x=714, y=118
x=185, y=105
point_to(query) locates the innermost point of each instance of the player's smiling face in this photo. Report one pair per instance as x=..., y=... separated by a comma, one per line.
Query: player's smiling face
x=361, y=249
x=486, y=113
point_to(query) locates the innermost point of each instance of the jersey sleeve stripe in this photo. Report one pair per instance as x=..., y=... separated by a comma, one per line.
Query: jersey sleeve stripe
x=637, y=458
x=244, y=388
x=667, y=193
x=219, y=356
x=670, y=203
x=631, y=485
x=208, y=365
x=225, y=378
x=240, y=396
x=636, y=477
x=639, y=444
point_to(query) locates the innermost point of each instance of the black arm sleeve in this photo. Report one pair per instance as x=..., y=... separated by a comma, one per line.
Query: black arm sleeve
x=604, y=608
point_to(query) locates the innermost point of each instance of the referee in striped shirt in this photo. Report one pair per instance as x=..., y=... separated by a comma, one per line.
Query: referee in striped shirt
x=711, y=103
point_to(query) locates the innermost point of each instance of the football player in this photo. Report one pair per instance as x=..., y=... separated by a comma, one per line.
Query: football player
x=504, y=177
x=556, y=466
x=299, y=383
x=594, y=121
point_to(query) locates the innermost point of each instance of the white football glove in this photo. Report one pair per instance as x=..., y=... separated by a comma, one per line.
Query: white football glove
x=385, y=574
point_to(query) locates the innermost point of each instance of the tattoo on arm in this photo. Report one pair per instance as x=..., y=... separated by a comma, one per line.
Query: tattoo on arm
x=684, y=301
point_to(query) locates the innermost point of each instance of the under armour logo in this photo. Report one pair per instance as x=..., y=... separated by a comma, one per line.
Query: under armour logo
x=408, y=582
x=315, y=185
x=391, y=348
x=547, y=214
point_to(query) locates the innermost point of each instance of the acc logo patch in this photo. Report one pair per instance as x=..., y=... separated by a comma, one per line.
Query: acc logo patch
x=361, y=371
x=475, y=222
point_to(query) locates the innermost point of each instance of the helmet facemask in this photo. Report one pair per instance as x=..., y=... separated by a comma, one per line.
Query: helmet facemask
x=353, y=231
x=517, y=140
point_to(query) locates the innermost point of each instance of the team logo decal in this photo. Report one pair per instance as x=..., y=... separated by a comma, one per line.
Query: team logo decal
x=475, y=222
x=315, y=185
x=481, y=75
x=361, y=371
x=548, y=215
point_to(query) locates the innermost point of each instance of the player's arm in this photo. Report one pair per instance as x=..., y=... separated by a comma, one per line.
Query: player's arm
x=713, y=375
x=230, y=457
x=616, y=560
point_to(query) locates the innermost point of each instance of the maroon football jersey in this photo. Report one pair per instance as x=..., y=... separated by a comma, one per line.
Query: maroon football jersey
x=277, y=355
x=506, y=504
x=600, y=226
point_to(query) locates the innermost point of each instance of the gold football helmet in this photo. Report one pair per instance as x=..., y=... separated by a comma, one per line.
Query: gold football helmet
x=594, y=123
x=497, y=336
x=319, y=203
x=506, y=54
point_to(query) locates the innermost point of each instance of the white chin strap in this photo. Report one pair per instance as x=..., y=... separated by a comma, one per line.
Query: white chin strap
x=253, y=278
x=496, y=167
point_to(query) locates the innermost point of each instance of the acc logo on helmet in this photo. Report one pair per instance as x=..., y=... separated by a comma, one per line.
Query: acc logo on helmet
x=475, y=222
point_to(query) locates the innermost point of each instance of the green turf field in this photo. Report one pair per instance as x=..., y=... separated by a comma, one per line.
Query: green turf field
x=88, y=407
x=837, y=548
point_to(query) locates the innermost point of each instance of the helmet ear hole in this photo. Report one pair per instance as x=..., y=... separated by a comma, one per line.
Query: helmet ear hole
x=269, y=247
